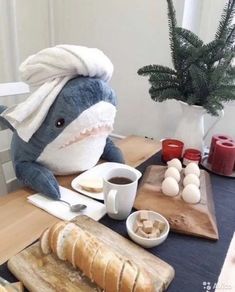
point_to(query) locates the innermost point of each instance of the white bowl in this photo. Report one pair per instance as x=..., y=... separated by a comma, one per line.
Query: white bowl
x=147, y=242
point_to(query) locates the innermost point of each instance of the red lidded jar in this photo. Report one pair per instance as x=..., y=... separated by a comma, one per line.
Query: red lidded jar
x=191, y=155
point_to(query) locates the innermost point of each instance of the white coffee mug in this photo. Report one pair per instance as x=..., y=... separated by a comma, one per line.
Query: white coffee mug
x=119, y=198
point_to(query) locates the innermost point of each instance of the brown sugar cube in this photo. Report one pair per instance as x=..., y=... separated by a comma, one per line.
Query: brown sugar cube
x=137, y=225
x=141, y=233
x=155, y=233
x=156, y=223
x=143, y=215
x=161, y=226
x=148, y=226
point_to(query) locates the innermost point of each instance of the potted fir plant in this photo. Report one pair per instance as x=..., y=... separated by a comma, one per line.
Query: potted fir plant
x=203, y=75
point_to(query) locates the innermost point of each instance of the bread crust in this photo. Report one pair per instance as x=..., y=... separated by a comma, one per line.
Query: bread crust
x=88, y=256
x=113, y=273
x=143, y=283
x=79, y=249
x=55, y=238
x=129, y=277
x=52, y=230
x=70, y=245
x=2, y=289
x=99, y=265
x=44, y=242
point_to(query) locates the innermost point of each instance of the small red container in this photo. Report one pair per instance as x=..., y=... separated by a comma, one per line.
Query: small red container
x=223, y=158
x=192, y=155
x=172, y=148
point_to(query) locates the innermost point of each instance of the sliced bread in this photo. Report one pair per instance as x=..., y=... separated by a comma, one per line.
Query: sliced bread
x=2, y=289
x=70, y=245
x=79, y=248
x=44, y=242
x=94, y=185
x=113, y=273
x=143, y=283
x=90, y=251
x=52, y=230
x=60, y=238
x=99, y=265
x=128, y=277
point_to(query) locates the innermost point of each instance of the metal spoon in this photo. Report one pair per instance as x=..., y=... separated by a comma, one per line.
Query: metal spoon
x=74, y=208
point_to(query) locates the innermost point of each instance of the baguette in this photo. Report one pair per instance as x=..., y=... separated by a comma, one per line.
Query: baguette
x=129, y=277
x=70, y=246
x=143, y=283
x=55, y=238
x=2, y=289
x=52, y=232
x=88, y=257
x=44, y=242
x=109, y=270
x=60, y=238
x=99, y=266
x=113, y=273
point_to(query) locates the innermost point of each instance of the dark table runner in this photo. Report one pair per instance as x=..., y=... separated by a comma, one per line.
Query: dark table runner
x=197, y=262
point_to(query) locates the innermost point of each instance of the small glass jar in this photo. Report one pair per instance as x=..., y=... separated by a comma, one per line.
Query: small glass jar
x=191, y=155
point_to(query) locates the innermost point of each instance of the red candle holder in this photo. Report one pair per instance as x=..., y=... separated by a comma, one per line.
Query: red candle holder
x=172, y=148
x=215, y=138
x=191, y=155
x=223, y=157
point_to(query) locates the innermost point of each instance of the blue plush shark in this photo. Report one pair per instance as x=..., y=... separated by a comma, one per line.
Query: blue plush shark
x=72, y=137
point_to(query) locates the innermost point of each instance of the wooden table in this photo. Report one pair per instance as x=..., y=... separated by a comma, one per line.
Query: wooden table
x=22, y=223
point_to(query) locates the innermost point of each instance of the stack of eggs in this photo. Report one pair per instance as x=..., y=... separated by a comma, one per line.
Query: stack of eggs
x=191, y=183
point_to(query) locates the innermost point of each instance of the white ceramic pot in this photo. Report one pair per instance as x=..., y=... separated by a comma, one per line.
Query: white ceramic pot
x=190, y=129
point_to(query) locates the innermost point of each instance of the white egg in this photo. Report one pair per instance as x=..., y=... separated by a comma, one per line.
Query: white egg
x=192, y=167
x=170, y=187
x=191, y=179
x=173, y=172
x=175, y=163
x=191, y=194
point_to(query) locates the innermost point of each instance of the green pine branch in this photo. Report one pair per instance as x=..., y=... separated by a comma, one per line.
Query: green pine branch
x=203, y=73
x=155, y=69
x=189, y=37
x=163, y=77
x=167, y=93
x=226, y=20
x=174, y=42
x=199, y=81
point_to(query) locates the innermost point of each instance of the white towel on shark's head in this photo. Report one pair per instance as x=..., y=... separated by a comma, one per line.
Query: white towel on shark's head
x=48, y=71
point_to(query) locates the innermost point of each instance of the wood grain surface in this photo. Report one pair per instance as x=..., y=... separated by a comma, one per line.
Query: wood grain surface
x=193, y=219
x=47, y=273
x=21, y=223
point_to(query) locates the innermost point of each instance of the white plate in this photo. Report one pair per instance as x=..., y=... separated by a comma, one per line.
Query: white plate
x=99, y=171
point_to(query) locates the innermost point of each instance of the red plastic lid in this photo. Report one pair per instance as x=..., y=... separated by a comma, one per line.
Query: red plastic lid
x=192, y=154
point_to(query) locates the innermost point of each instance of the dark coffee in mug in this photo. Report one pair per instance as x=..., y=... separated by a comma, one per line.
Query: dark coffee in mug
x=120, y=180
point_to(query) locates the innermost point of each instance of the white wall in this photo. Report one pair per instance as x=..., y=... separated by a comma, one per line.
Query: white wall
x=132, y=33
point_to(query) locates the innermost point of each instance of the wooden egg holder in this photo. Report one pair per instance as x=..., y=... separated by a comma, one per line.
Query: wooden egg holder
x=193, y=219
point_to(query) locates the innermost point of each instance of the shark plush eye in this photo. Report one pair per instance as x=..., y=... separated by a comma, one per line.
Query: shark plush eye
x=60, y=123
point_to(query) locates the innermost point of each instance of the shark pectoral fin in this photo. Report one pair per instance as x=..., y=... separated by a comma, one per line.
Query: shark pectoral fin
x=38, y=177
x=112, y=153
x=4, y=124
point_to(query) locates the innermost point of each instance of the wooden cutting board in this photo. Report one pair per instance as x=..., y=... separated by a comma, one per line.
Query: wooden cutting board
x=47, y=273
x=193, y=219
